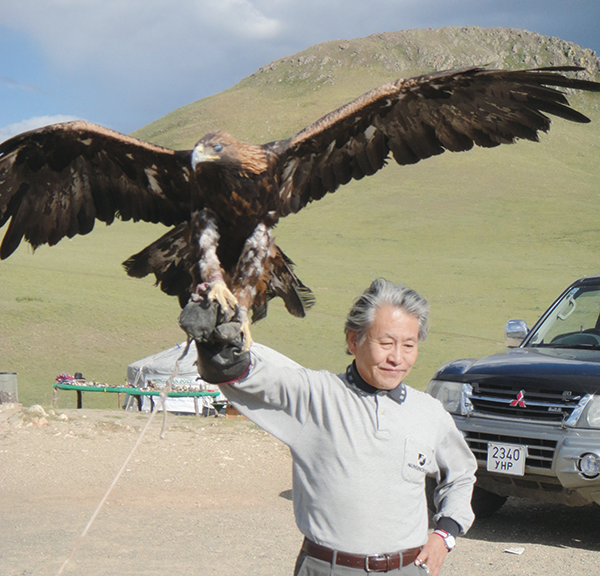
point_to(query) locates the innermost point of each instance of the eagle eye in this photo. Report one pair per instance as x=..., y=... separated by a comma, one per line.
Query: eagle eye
x=218, y=147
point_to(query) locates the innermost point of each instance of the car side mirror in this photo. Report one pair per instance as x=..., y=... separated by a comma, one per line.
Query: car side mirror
x=515, y=332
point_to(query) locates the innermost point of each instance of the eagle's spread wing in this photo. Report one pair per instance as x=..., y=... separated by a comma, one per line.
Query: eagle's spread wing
x=420, y=117
x=56, y=181
x=224, y=196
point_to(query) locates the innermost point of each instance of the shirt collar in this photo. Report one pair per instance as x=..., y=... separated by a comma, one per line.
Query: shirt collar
x=398, y=393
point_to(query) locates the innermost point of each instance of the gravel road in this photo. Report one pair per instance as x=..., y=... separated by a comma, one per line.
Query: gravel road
x=211, y=498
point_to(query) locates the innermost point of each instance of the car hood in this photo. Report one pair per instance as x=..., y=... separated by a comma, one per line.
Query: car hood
x=553, y=368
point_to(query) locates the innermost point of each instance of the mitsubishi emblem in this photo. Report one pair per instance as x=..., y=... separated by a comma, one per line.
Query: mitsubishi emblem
x=520, y=401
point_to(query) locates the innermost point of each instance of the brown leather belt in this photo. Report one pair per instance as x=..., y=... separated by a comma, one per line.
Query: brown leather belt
x=374, y=563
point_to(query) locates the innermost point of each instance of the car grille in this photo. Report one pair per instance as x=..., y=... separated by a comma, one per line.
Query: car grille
x=540, y=452
x=531, y=404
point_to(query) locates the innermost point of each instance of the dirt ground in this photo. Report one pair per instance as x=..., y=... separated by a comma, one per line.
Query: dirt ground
x=211, y=498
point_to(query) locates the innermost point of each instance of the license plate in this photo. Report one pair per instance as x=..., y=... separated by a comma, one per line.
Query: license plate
x=506, y=459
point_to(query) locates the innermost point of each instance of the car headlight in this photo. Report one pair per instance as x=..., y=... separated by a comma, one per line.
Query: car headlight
x=586, y=414
x=454, y=396
x=591, y=414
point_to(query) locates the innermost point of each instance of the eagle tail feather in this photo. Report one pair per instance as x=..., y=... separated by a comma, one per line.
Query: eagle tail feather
x=166, y=258
x=282, y=282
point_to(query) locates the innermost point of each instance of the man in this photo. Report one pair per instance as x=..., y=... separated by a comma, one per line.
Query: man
x=362, y=442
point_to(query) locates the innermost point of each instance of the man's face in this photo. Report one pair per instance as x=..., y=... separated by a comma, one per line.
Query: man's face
x=389, y=350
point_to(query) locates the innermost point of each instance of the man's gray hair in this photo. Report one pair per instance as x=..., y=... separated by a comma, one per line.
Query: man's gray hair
x=382, y=292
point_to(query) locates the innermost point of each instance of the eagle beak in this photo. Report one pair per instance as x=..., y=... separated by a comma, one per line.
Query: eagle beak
x=200, y=155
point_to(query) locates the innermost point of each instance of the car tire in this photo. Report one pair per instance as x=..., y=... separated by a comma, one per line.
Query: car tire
x=483, y=502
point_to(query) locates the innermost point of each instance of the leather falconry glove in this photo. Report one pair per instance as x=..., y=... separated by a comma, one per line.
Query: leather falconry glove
x=218, y=339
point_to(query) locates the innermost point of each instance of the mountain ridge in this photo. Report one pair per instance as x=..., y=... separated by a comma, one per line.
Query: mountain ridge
x=286, y=94
x=451, y=47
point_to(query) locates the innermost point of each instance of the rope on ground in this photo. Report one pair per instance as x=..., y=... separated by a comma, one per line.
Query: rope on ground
x=162, y=397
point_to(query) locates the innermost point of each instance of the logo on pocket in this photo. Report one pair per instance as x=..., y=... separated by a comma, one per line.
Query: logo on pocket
x=422, y=460
x=418, y=460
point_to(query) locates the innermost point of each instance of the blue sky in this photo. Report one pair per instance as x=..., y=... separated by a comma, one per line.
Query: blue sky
x=125, y=63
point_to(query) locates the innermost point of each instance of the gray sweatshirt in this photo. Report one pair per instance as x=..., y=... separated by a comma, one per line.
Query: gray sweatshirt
x=359, y=459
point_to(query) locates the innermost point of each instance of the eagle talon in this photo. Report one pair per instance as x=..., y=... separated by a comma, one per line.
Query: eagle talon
x=202, y=289
x=222, y=295
x=246, y=335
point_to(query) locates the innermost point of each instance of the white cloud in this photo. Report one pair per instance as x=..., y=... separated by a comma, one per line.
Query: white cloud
x=241, y=17
x=30, y=124
x=116, y=32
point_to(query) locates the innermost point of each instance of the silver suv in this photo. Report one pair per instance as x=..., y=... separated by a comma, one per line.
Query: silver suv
x=531, y=415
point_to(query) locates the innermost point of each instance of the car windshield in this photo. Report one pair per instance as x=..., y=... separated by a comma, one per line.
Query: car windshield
x=573, y=322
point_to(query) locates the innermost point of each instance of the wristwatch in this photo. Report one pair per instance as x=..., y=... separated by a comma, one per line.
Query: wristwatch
x=448, y=539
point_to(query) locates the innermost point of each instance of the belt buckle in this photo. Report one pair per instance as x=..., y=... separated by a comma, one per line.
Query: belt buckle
x=374, y=558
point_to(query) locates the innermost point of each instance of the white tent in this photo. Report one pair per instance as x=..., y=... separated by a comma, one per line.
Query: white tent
x=157, y=369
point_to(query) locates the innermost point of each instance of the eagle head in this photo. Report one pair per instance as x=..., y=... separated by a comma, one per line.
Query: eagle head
x=223, y=149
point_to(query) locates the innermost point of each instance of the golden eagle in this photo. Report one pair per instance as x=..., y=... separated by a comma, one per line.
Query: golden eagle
x=224, y=196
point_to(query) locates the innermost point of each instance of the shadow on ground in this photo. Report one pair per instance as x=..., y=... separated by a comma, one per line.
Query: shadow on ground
x=524, y=521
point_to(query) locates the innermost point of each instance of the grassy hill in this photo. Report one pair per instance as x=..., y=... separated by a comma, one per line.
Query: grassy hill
x=485, y=236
